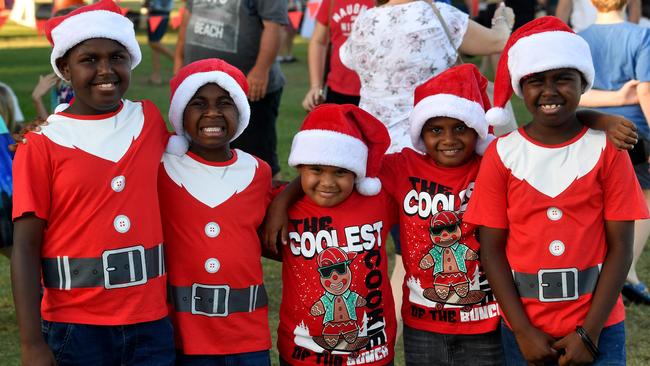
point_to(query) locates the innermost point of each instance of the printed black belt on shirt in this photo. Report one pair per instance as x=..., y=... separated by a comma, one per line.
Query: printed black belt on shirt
x=559, y=284
x=117, y=268
x=217, y=300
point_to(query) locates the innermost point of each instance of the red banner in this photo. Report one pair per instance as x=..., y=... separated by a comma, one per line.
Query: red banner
x=312, y=6
x=154, y=22
x=124, y=10
x=294, y=18
x=3, y=19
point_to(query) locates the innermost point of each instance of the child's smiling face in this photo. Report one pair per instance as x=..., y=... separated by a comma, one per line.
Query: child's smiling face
x=449, y=142
x=210, y=119
x=325, y=185
x=99, y=71
x=552, y=96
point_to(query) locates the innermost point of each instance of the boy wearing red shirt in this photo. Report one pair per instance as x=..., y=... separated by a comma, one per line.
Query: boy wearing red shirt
x=212, y=200
x=337, y=306
x=450, y=315
x=86, y=208
x=556, y=203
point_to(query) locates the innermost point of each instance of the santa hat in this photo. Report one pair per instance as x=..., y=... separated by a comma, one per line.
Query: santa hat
x=344, y=136
x=191, y=78
x=460, y=93
x=543, y=44
x=100, y=20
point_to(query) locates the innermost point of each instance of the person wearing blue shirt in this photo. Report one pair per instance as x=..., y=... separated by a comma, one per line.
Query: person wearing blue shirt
x=621, y=55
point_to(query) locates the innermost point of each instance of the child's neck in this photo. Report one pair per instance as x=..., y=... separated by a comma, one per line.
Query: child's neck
x=218, y=155
x=554, y=134
x=610, y=17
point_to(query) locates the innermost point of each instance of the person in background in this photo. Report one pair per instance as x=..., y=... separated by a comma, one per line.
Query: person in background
x=333, y=26
x=621, y=54
x=246, y=34
x=158, y=8
x=581, y=13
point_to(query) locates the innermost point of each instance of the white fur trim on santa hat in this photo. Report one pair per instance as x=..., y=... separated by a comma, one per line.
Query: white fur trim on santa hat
x=446, y=105
x=368, y=186
x=94, y=24
x=483, y=143
x=194, y=82
x=548, y=51
x=177, y=145
x=327, y=147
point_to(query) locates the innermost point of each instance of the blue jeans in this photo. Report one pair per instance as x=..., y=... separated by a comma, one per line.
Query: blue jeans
x=260, y=358
x=142, y=344
x=611, y=345
x=428, y=348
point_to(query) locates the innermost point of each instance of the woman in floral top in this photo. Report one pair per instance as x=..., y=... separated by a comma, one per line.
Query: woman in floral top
x=401, y=43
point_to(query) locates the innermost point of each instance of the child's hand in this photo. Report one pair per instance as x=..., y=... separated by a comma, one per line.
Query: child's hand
x=276, y=227
x=29, y=127
x=622, y=133
x=536, y=346
x=575, y=351
x=45, y=83
x=38, y=354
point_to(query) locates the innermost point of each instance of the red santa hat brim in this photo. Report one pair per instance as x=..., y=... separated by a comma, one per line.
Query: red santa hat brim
x=100, y=20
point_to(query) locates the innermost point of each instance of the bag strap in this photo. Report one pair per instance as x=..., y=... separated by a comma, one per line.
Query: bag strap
x=459, y=59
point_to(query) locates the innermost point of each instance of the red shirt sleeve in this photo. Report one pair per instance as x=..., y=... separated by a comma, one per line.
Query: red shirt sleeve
x=488, y=203
x=390, y=172
x=323, y=12
x=623, y=197
x=32, y=178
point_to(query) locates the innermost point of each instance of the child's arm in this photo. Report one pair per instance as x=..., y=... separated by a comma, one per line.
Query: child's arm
x=26, y=285
x=277, y=224
x=626, y=95
x=620, y=236
x=619, y=130
x=534, y=344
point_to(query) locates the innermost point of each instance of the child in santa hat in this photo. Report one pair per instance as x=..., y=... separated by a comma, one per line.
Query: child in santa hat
x=86, y=208
x=337, y=306
x=212, y=201
x=556, y=203
x=447, y=303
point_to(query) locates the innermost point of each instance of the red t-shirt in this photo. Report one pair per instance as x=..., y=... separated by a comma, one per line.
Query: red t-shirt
x=554, y=201
x=210, y=213
x=424, y=189
x=93, y=179
x=312, y=313
x=344, y=12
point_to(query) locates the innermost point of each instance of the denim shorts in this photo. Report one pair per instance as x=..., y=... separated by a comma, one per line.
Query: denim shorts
x=146, y=344
x=611, y=345
x=259, y=358
x=428, y=348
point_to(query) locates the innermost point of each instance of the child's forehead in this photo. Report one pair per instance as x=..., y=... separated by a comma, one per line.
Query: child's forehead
x=442, y=121
x=545, y=73
x=326, y=167
x=212, y=88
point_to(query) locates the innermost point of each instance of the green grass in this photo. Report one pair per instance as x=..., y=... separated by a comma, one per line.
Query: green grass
x=23, y=57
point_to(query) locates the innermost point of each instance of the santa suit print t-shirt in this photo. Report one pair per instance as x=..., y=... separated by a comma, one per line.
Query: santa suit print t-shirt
x=211, y=212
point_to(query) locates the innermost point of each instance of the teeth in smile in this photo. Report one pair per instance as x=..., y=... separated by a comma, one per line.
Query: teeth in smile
x=212, y=129
x=550, y=106
x=105, y=85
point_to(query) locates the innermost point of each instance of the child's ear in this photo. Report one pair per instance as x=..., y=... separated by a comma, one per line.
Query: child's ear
x=62, y=65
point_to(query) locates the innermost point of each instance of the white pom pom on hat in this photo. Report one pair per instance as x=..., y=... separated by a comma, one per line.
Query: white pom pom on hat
x=343, y=136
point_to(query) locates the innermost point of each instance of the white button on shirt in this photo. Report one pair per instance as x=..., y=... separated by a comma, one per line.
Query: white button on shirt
x=118, y=183
x=121, y=224
x=212, y=229
x=554, y=213
x=556, y=248
x=212, y=265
